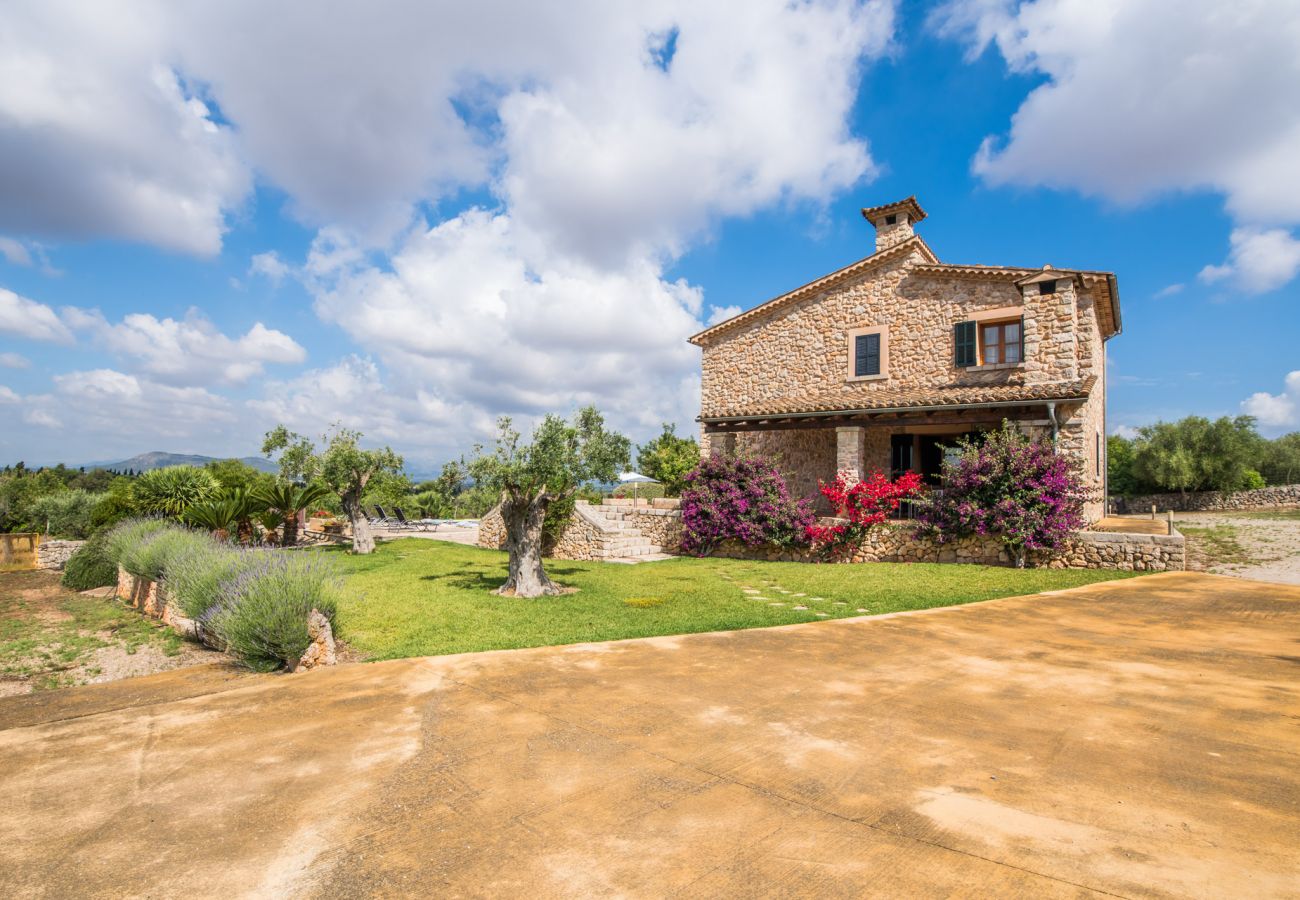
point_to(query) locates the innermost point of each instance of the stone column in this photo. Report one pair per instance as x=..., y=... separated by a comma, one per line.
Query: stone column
x=850, y=451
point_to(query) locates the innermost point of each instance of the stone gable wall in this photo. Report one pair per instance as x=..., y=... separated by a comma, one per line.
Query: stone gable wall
x=801, y=351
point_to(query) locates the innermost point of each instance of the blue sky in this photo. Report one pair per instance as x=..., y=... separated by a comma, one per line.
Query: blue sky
x=416, y=224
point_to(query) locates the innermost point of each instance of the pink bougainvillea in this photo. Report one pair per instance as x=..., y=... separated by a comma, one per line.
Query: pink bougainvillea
x=742, y=499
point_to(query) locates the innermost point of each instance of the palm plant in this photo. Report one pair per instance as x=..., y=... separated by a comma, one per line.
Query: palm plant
x=221, y=517
x=173, y=490
x=288, y=500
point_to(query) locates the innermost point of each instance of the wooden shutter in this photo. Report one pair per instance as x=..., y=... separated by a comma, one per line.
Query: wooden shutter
x=866, y=355
x=963, y=344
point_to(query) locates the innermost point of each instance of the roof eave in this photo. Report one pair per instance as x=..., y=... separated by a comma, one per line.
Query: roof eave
x=824, y=413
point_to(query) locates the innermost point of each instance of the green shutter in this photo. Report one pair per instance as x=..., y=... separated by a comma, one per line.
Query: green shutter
x=866, y=355
x=963, y=344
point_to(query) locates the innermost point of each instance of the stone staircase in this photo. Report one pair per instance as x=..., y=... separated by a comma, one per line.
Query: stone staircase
x=620, y=540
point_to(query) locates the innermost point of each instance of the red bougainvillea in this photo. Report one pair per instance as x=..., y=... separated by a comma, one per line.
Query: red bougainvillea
x=863, y=504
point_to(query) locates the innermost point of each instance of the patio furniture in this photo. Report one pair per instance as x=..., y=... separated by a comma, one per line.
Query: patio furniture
x=404, y=523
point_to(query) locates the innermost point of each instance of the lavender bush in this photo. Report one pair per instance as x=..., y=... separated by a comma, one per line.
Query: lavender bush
x=1019, y=490
x=195, y=575
x=743, y=499
x=261, y=611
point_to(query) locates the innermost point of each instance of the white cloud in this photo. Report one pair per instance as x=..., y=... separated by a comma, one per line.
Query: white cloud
x=29, y=319
x=15, y=252
x=1276, y=410
x=1139, y=101
x=269, y=266
x=1125, y=431
x=104, y=400
x=100, y=137
x=470, y=317
x=14, y=361
x=1170, y=291
x=114, y=117
x=191, y=350
x=7, y=395
x=1260, y=260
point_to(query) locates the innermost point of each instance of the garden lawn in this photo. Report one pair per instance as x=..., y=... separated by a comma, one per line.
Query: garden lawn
x=423, y=598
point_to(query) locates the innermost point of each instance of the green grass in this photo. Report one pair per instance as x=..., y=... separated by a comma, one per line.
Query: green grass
x=1291, y=515
x=1220, y=545
x=418, y=598
x=46, y=633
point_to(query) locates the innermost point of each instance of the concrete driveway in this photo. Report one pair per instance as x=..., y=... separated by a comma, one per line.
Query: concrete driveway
x=1138, y=738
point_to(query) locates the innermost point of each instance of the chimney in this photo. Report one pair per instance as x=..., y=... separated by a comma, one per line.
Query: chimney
x=894, y=221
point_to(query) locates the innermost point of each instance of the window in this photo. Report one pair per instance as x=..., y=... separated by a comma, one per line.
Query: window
x=868, y=353
x=891, y=220
x=1047, y=287
x=999, y=343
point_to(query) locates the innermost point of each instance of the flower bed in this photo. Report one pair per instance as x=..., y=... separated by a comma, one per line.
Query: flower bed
x=268, y=608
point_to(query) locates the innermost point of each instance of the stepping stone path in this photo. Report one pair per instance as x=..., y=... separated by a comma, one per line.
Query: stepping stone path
x=824, y=615
x=840, y=603
x=860, y=609
x=801, y=607
x=776, y=603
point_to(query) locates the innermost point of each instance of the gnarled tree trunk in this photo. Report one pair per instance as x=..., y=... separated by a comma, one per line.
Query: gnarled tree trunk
x=362, y=540
x=523, y=516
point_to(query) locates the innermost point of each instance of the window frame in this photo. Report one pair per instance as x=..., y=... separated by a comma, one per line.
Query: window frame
x=1002, y=343
x=854, y=334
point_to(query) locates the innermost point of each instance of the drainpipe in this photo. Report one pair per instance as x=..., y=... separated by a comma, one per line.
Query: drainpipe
x=1056, y=428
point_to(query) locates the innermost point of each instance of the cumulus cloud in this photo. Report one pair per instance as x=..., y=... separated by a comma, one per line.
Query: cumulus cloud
x=468, y=315
x=1276, y=410
x=32, y=320
x=191, y=350
x=101, y=137
x=1260, y=260
x=1138, y=102
x=269, y=266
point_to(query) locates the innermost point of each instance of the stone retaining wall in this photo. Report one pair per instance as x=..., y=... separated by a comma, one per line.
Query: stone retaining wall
x=55, y=554
x=1210, y=501
x=150, y=597
x=585, y=538
x=663, y=526
x=1086, y=550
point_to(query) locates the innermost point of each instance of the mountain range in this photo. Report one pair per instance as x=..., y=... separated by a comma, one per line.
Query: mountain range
x=159, y=459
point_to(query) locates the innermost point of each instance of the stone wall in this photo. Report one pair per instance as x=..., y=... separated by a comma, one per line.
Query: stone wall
x=54, y=555
x=895, y=542
x=585, y=537
x=801, y=455
x=663, y=526
x=1281, y=495
x=800, y=351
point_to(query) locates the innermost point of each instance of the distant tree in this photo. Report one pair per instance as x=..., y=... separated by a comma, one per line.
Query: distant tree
x=342, y=466
x=528, y=478
x=1121, y=479
x=668, y=459
x=235, y=473
x=1195, y=454
x=1281, y=460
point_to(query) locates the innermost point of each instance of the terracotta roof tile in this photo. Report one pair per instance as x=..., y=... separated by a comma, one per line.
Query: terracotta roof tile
x=854, y=398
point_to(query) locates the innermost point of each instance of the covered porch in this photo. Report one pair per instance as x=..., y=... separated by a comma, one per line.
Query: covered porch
x=811, y=447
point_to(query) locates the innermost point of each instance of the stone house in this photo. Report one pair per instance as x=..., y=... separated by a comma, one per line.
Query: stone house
x=882, y=364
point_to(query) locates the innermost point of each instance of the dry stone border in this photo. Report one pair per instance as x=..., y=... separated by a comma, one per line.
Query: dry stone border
x=150, y=597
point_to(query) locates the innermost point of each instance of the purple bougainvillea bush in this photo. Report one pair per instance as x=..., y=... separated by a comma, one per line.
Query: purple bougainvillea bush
x=1018, y=490
x=743, y=499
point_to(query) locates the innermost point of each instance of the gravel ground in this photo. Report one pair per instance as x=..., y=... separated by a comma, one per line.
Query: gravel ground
x=1260, y=546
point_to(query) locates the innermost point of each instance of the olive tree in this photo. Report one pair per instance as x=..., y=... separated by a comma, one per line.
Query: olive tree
x=530, y=477
x=342, y=466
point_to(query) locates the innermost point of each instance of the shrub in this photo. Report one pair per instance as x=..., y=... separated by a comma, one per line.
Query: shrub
x=1251, y=480
x=153, y=558
x=1008, y=486
x=743, y=499
x=91, y=566
x=196, y=573
x=864, y=504
x=171, y=491
x=261, y=611
x=66, y=514
x=126, y=537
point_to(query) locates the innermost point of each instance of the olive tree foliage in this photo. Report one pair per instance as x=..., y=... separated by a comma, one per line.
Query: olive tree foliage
x=668, y=459
x=342, y=466
x=530, y=477
x=1195, y=454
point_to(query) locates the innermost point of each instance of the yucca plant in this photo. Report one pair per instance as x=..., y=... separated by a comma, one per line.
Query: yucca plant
x=173, y=490
x=288, y=500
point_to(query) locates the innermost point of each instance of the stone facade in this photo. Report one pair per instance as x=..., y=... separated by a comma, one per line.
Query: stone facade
x=791, y=357
x=1282, y=495
x=616, y=531
x=54, y=555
